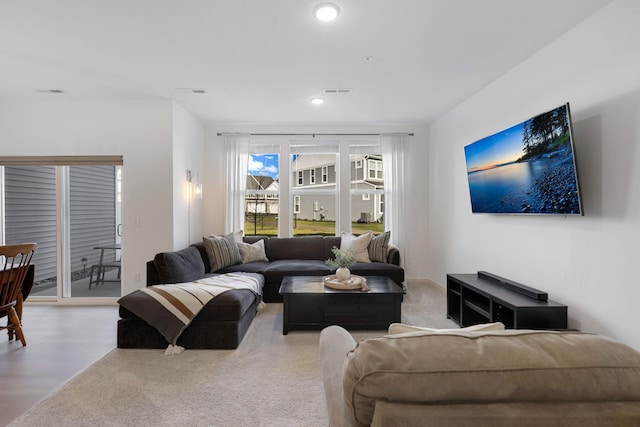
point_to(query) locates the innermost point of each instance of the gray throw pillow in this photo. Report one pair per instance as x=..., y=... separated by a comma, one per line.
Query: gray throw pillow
x=252, y=252
x=378, y=247
x=180, y=266
x=222, y=251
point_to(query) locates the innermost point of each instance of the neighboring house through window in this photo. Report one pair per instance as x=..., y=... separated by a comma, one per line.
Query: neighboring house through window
x=296, y=204
x=375, y=169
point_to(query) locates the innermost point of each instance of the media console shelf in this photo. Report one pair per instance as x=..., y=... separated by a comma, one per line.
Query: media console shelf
x=486, y=298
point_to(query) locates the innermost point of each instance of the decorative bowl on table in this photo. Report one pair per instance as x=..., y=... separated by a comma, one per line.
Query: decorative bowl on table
x=353, y=282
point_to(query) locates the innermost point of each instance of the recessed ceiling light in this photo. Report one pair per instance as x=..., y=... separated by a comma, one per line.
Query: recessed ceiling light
x=326, y=11
x=317, y=100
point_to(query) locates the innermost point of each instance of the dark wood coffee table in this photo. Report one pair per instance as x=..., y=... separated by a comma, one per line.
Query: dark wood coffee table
x=308, y=304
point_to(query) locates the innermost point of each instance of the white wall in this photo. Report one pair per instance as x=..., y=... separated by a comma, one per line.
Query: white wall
x=139, y=130
x=188, y=154
x=587, y=263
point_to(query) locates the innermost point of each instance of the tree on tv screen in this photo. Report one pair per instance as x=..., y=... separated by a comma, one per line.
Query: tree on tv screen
x=545, y=133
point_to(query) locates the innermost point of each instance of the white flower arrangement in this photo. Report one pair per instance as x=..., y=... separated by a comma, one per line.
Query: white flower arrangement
x=344, y=258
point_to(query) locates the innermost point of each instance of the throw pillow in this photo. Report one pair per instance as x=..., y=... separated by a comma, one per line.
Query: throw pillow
x=222, y=251
x=357, y=244
x=180, y=266
x=401, y=328
x=252, y=252
x=379, y=246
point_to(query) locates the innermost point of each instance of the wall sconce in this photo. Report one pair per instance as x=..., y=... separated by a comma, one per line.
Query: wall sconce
x=195, y=186
x=197, y=189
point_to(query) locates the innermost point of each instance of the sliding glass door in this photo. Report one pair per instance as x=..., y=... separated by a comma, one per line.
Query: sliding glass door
x=73, y=213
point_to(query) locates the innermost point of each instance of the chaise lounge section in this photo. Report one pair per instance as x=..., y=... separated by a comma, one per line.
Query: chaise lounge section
x=221, y=324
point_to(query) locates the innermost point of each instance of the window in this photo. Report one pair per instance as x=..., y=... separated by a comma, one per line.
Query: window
x=296, y=204
x=285, y=197
x=366, y=193
x=375, y=169
x=263, y=191
x=318, y=202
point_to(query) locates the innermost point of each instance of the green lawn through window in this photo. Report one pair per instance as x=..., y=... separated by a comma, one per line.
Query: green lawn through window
x=266, y=225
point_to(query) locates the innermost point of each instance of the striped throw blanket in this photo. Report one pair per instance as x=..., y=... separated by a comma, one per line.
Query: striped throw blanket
x=171, y=308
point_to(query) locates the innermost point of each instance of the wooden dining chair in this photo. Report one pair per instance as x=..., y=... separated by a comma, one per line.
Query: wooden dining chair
x=14, y=263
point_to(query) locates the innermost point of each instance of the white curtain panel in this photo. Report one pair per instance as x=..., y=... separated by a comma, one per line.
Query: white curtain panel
x=236, y=151
x=394, y=147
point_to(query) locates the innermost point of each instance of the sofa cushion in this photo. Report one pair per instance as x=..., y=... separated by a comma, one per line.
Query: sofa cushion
x=222, y=251
x=378, y=247
x=276, y=270
x=492, y=366
x=180, y=266
x=252, y=267
x=292, y=248
x=401, y=328
x=329, y=243
x=298, y=267
x=392, y=271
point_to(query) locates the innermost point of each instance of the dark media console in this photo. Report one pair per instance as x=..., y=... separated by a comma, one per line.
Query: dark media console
x=485, y=298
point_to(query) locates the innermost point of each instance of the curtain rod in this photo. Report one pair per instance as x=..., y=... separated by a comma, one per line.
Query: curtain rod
x=322, y=134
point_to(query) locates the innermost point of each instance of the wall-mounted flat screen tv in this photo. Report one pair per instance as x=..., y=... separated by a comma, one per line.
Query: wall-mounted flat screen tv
x=529, y=168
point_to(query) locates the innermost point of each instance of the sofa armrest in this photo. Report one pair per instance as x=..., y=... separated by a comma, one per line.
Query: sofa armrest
x=393, y=255
x=152, y=274
x=335, y=343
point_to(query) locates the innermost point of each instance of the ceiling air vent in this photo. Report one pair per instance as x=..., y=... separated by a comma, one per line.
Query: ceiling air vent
x=336, y=91
x=198, y=91
x=49, y=91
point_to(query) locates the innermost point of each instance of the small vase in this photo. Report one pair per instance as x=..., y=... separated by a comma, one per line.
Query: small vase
x=343, y=274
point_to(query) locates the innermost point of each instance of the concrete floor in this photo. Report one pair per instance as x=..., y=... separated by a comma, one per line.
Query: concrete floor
x=80, y=288
x=61, y=342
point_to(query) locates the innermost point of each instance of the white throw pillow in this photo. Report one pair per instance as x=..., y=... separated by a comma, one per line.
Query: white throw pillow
x=252, y=252
x=401, y=328
x=357, y=244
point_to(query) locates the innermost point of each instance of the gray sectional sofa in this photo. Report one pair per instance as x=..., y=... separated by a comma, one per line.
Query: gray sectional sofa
x=225, y=319
x=288, y=256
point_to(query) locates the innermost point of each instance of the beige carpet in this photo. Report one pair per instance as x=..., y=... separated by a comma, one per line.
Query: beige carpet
x=269, y=380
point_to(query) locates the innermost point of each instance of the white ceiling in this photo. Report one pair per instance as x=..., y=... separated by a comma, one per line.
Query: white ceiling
x=262, y=60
